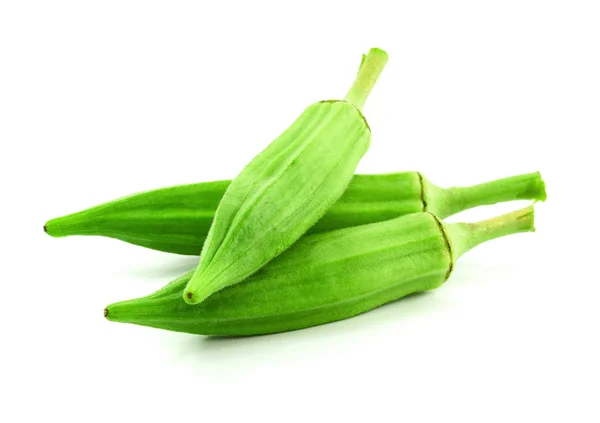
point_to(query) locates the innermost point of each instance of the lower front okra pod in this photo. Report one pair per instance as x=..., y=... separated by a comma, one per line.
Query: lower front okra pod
x=325, y=277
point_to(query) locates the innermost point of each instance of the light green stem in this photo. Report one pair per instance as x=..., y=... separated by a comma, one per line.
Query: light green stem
x=444, y=202
x=370, y=68
x=464, y=236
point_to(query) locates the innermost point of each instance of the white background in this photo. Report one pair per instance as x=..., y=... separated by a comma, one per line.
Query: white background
x=102, y=99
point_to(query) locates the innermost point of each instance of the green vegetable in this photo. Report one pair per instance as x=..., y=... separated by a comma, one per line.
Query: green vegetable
x=177, y=219
x=287, y=188
x=325, y=277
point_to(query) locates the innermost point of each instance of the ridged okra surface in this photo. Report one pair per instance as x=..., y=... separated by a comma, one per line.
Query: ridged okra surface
x=325, y=277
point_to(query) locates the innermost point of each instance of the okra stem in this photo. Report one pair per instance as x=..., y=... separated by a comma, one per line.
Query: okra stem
x=449, y=201
x=370, y=68
x=465, y=236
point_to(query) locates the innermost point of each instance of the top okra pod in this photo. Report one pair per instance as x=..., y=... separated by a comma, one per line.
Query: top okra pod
x=176, y=219
x=286, y=188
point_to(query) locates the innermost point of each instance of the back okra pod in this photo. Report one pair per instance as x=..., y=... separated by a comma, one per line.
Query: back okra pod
x=325, y=277
x=177, y=219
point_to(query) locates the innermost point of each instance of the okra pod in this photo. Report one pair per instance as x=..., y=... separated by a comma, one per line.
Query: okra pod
x=176, y=219
x=325, y=277
x=286, y=188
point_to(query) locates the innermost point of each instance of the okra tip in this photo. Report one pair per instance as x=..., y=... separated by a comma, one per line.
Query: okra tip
x=190, y=298
x=52, y=228
x=195, y=294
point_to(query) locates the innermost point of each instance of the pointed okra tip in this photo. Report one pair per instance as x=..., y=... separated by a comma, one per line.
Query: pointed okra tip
x=118, y=312
x=195, y=293
x=193, y=297
x=189, y=298
x=50, y=229
x=122, y=311
x=55, y=228
x=199, y=287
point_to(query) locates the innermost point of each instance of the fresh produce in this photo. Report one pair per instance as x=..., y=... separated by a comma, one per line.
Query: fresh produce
x=177, y=219
x=325, y=277
x=286, y=188
x=296, y=239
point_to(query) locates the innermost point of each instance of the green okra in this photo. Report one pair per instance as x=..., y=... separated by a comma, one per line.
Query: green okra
x=286, y=188
x=325, y=277
x=177, y=219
